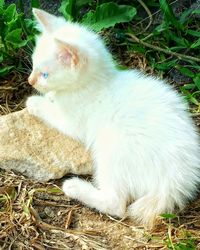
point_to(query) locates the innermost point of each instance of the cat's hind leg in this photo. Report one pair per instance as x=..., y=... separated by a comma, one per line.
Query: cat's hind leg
x=106, y=201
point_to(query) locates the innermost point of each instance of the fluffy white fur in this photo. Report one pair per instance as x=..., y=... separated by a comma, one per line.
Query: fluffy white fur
x=144, y=144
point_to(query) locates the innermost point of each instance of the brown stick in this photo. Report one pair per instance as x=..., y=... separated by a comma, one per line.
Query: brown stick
x=180, y=56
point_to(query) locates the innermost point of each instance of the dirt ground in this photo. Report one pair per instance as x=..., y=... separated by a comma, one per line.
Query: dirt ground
x=38, y=216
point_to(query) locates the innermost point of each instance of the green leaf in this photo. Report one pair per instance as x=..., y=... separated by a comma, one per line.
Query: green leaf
x=54, y=190
x=165, y=65
x=4, y=71
x=2, y=3
x=81, y=3
x=195, y=44
x=13, y=24
x=186, y=71
x=184, y=15
x=26, y=210
x=10, y=13
x=109, y=14
x=138, y=47
x=14, y=37
x=189, y=86
x=187, y=244
x=160, y=28
x=3, y=198
x=197, y=11
x=168, y=216
x=180, y=41
x=189, y=96
x=30, y=24
x=194, y=66
x=197, y=81
x=193, y=33
x=66, y=9
x=121, y=67
x=35, y=3
x=169, y=15
x=177, y=48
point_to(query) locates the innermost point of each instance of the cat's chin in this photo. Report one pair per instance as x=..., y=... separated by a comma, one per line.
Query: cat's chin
x=41, y=89
x=45, y=90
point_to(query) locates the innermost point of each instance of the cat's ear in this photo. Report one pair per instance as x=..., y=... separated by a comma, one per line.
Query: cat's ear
x=68, y=55
x=47, y=21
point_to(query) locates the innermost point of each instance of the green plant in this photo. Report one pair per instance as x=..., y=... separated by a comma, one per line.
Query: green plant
x=102, y=15
x=174, y=44
x=16, y=38
x=178, y=237
x=187, y=242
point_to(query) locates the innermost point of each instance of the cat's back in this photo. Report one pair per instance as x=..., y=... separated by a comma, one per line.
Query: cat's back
x=149, y=106
x=140, y=89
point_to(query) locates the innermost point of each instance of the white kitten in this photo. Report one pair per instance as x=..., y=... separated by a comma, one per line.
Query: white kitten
x=144, y=145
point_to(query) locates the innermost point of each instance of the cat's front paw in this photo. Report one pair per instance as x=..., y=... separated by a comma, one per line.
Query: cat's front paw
x=72, y=188
x=33, y=105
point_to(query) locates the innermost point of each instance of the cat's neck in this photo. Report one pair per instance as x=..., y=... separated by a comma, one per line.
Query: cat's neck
x=90, y=95
x=90, y=84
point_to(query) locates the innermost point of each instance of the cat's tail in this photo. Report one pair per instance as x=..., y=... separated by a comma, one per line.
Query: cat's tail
x=147, y=209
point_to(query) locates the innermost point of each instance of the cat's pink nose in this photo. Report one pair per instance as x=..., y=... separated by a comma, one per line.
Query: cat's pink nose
x=32, y=80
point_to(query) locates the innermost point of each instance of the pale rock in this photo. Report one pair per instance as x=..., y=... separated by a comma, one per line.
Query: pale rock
x=30, y=147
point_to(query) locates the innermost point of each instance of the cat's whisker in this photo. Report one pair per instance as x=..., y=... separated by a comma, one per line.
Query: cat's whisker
x=28, y=65
x=23, y=68
x=28, y=54
x=27, y=62
x=30, y=47
x=24, y=71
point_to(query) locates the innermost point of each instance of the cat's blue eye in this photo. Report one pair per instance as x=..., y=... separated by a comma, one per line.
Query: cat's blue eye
x=45, y=75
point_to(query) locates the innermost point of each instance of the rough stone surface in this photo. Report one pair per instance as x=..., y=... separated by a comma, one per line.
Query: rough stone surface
x=30, y=147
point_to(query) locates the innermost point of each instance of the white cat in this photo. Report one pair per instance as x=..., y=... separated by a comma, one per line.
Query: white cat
x=144, y=145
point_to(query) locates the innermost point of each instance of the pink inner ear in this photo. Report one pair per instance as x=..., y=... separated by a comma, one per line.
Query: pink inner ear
x=68, y=56
x=65, y=57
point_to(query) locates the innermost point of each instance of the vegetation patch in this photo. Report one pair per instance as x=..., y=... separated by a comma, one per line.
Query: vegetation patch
x=166, y=33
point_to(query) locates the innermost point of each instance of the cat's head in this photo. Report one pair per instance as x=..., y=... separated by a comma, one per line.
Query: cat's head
x=66, y=55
